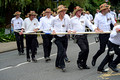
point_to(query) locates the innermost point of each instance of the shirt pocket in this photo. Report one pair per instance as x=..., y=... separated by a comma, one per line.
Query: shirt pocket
x=82, y=22
x=109, y=21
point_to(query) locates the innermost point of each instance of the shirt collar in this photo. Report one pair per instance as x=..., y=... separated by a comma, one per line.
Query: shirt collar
x=17, y=18
x=77, y=17
x=102, y=14
x=57, y=17
x=47, y=17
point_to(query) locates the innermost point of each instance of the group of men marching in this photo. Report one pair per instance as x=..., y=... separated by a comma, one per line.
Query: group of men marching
x=62, y=23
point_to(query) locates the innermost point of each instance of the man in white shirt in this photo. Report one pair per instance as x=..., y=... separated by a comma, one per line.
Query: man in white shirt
x=97, y=12
x=16, y=23
x=113, y=43
x=113, y=13
x=83, y=14
x=68, y=17
x=119, y=15
x=45, y=26
x=77, y=24
x=89, y=15
x=103, y=21
x=30, y=24
x=61, y=24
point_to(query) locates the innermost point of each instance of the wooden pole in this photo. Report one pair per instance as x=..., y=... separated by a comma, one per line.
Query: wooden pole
x=65, y=33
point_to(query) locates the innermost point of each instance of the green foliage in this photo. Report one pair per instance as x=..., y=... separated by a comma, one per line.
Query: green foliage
x=8, y=7
x=6, y=37
x=2, y=21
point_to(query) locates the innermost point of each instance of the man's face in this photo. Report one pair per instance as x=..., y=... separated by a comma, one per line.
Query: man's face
x=48, y=13
x=32, y=17
x=18, y=15
x=83, y=13
x=78, y=13
x=62, y=13
x=106, y=11
x=97, y=11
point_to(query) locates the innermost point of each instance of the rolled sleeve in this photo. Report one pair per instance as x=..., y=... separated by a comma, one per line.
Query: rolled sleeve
x=90, y=25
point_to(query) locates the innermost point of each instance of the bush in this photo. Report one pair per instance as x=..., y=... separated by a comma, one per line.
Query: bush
x=2, y=21
x=6, y=37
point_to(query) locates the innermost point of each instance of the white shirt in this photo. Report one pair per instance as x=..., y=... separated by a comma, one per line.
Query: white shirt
x=90, y=16
x=87, y=16
x=29, y=25
x=78, y=24
x=66, y=16
x=17, y=22
x=60, y=26
x=113, y=14
x=114, y=36
x=45, y=24
x=103, y=21
x=84, y=16
x=119, y=16
x=96, y=13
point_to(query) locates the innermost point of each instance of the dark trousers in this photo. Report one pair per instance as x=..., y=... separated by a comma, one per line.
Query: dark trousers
x=103, y=38
x=47, y=44
x=117, y=52
x=61, y=43
x=31, y=43
x=19, y=41
x=108, y=58
x=111, y=26
x=83, y=44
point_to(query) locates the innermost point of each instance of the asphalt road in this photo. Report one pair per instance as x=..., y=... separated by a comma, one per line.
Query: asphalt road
x=15, y=67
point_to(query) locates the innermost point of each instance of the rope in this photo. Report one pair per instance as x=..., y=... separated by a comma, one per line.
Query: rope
x=62, y=33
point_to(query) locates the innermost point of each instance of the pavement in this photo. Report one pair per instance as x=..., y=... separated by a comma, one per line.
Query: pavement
x=15, y=67
x=9, y=46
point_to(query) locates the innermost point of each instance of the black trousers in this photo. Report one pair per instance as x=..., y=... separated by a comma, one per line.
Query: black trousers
x=19, y=41
x=61, y=43
x=109, y=58
x=83, y=44
x=111, y=26
x=31, y=43
x=103, y=38
x=117, y=52
x=47, y=44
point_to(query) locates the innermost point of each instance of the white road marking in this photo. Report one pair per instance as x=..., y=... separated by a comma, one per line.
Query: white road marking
x=29, y=62
x=92, y=43
x=6, y=68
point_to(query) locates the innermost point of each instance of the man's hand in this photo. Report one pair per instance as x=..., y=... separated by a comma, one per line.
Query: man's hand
x=69, y=31
x=53, y=32
x=20, y=33
x=74, y=32
x=98, y=31
x=35, y=30
x=117, y=30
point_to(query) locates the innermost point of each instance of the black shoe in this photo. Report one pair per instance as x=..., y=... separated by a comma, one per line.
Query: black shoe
x=113, y=68
x=58, y=67
x=22, y=53
x=67, y=60
x=19, y=53
x=93, y=62
x=101, y=71
x=86, y=67
x=47, y=59
x=28, y=60
x=79, y=66
x=63, y=69
x=34, y=60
